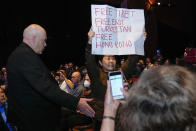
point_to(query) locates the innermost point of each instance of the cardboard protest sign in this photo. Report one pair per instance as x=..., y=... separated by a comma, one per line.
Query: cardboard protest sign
x=118, y=31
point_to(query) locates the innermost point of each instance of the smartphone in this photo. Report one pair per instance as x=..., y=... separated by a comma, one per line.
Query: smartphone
x=116, y=82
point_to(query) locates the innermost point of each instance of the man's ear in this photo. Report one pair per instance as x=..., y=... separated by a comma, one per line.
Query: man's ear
x=33, y=39
x=100, y=63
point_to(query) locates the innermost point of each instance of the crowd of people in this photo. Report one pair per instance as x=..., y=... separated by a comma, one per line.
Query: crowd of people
x=159, y=94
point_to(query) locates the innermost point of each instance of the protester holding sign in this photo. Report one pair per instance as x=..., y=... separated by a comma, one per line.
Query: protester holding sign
x=115, y=32
x=99, y=76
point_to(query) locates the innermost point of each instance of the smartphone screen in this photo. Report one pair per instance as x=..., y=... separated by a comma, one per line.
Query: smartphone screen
x=116, y=81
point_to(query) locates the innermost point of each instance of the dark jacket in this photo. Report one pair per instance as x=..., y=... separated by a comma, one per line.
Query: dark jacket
x=34, y=97
x=99, y=79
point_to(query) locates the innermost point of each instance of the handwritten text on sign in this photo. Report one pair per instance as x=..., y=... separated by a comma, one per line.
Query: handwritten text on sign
x=118, y=31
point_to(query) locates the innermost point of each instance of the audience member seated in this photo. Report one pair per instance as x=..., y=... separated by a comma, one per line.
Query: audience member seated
x=78, y=85
x=87, y=93
x=3, y=97
x=70, y=118
x=149, y=66
x=163, y=99
x=64, y=83
x=141, y=64
x=3, y=105
x=147, y=61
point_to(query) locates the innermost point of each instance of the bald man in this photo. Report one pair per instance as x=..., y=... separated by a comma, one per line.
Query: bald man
x=78, y=85
x=34, y=96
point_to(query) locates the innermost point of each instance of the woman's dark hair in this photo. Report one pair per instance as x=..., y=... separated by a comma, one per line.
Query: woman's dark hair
x=100, y=57
x=163, y=99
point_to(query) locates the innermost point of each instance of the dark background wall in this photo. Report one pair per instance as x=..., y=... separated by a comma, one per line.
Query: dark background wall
x=68, y=22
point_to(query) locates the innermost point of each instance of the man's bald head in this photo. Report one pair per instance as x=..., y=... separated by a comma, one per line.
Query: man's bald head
x=33, y=29
x=76, y=77
x=34, y=36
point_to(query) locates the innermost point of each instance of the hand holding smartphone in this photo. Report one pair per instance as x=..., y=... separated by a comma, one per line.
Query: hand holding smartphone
x=116, y=81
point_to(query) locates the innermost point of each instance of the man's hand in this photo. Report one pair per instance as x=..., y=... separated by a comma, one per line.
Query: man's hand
x=91, y=33
x=110, y=105
x=85, y=108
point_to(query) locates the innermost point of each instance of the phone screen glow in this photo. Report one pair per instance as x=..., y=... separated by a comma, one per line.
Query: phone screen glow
x=116, y=84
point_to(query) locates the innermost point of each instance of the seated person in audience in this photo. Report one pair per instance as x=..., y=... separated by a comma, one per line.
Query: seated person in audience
x=3, y=100
x=87, y=87
x=63, y=81
x=72, y=118
x=147, y=61
x=3, y=97
x=141, y=64
x=163, y=99
x=78, y=87
x=149, y=66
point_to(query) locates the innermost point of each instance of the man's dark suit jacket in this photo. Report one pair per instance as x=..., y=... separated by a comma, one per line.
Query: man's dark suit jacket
x=34, y=97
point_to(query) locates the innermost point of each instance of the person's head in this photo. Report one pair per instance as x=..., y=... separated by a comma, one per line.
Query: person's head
x=62, y=72
x=62, y=75
x=35, y=36
x=76, y=77
x=122, y=61
x=87, y=81
x=149, y=66
x=107, y=62
x=3, y=69
x=163, y=99
x=156, y=63
x=3, y=87
x=148, y=60
x=83, y=70
x=167, y=62
x=70, y=65
x=141, y=62
x=66, y=66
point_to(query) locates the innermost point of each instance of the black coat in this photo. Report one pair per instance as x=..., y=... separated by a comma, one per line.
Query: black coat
x=34, y=97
